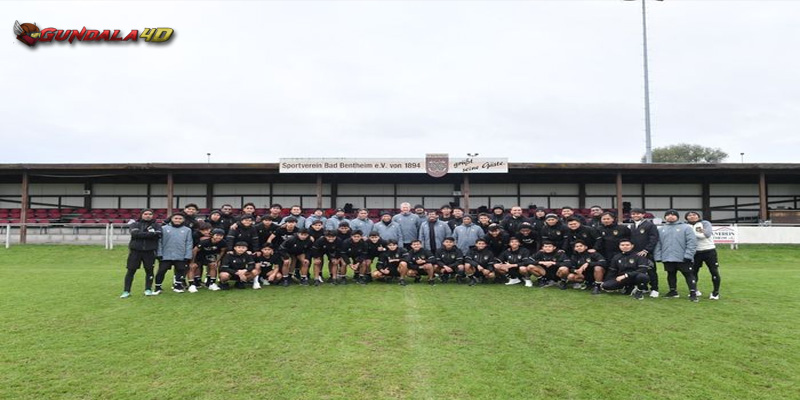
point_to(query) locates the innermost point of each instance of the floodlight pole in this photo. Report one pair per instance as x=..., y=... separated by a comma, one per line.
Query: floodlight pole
x=648, y=148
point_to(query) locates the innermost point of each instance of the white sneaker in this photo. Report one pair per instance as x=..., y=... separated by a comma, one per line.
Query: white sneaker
x=192, y=289
x=712, y=297
x=699, y=293
x=256, y=285
x=264, y=282
x=578, y=286
x=654, y=294
x=177, y=290
x=213, y=287
x=528, y=283
x=513, y=282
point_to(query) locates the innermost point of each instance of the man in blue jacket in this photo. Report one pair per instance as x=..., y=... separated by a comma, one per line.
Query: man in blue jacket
x=174, y=250
x=467, y=234
x=675, y=248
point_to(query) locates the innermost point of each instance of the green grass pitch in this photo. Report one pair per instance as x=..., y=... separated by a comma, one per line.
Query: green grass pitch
x=66, y=334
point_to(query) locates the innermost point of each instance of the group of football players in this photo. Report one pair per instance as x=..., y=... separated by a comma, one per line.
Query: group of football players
x=599, y=254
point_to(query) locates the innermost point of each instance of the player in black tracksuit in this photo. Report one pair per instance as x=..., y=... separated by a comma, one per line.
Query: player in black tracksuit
x=583, y=266
x=239, y=266
x=283, y=233
x=496, y=239
x=265, y=229
x=421, y=261
x=610, y=235
x=584, y=233
x=326, y=246
x=547, y=262
x=513, y=221
x=450, y=260
x=554, y=231
x=628, y=269
x=392, y=263
x=294, y=252
x=354, y=255
x=244, y=232
x=480, y=262
x=271, y=264
x=207, y=253
x=145, y=234
x=514, y=263
x=528, y=237
x=644, y=236
x=375, y=247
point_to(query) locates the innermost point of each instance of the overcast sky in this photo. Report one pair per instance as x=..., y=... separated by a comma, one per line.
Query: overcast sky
x=534, y=81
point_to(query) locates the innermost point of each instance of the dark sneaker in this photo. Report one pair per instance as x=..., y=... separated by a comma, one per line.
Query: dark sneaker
x=402, y=282
x=638, y=294
x=672, y=294
x=562, y=285
x=304, y=281
x=472, y=281
x=595, y=289
x=240, y=285
x=417, y=279
x=627, y=291
x=693, y=297
x=458, y=279
x=431, y=281
x=445, y=278
x=285, y=282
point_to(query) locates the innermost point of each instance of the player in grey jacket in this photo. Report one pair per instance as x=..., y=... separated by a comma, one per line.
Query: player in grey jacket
x=706, y=250
x=440, y=231
x=675, y=248
x=174, y=250
x=467, y=234
x=333, y=222
x=389, y=229
x=409, y=224
x=362, y=222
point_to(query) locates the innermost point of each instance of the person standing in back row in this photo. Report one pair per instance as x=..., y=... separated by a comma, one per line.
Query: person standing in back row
x=644, y=236
x=409, y=225
x=706, y=250
x=145, y=235
x=676, y=247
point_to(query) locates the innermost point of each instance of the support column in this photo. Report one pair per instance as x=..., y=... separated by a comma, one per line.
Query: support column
x=319, y=190
x=23, y=213
x=87, y=198
x=210, y=196
x=581, y=195
x=465, y=193
x=620, y=214
x=762, y=196
x=170, y=191
x=706, y=201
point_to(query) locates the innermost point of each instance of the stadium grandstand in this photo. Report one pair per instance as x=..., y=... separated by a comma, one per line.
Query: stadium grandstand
x=76, y=194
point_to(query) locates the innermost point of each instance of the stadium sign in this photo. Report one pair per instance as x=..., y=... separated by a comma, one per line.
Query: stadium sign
x=436, y=165
x=725, y=234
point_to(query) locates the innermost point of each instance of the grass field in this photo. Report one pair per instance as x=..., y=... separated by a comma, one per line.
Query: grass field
x=66, y=334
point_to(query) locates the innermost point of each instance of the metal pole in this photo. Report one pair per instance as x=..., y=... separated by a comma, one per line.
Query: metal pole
x=648, y=149
x=465, y=193
x=111, y=237
x=620, y=215
x=8, y=235
x=319, y=190
x=170, y=190
x=23, y=228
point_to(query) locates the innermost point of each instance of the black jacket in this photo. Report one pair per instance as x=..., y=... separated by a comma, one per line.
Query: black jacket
x=556, y=234
x=243, y=234
x=355, y=251
x=497, y=244
x=484, y=258
x=294, y=246
x=400, y=254
x=208, y=250
x=521, y=257
x=511, y=224
x=423, y=254
x=556, y=256
x=144, y=235
x=589, y=235
x=593, y=259
x=610, y=236
x=450, y=258
x=645, y=237
x=323, y=247
x=628, y=262
x=236, y=261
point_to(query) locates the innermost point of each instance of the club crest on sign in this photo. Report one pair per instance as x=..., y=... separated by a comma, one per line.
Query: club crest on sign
x=436, y=165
